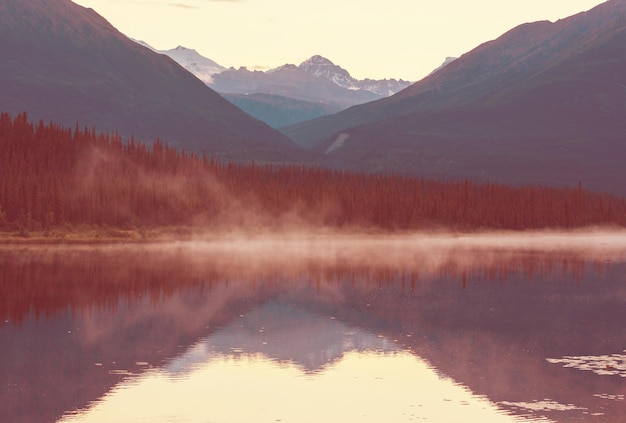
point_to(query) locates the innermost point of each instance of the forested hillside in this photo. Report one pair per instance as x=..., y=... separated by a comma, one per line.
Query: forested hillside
x=56, y=177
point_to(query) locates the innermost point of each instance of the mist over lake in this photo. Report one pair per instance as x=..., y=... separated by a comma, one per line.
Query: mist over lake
x=316, y=328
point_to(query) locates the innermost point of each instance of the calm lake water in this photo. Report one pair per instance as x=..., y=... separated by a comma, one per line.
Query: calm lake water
x=314, y=331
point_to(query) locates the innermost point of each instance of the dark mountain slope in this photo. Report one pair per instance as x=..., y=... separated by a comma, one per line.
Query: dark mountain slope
x=490, y=71
x=65, y=63
x=544, y=103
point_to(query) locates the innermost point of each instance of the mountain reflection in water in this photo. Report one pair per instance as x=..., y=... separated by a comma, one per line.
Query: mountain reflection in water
x=323, y=330
x=262, y=368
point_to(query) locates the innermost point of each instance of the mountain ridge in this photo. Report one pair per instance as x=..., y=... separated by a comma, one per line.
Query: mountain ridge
x=287, y=94
x=316, y=65
x=59, y=53
x=543, y=103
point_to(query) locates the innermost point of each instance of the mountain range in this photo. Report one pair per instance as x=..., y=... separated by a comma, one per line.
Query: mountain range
x=64, y=63
x=291, y=82
x=243, y=81
x=544, y=103
x=288, y=94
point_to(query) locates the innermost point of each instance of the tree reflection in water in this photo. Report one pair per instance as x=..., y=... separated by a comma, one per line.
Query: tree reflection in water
x=496, y=319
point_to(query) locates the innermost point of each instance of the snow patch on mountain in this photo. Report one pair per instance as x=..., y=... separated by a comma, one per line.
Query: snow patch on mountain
x=338, y=143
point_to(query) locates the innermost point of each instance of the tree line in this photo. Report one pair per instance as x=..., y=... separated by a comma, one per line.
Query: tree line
x=52, y=176
x=87, y=280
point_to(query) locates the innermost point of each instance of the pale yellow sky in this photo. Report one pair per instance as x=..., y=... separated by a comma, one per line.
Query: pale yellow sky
x=371, y=39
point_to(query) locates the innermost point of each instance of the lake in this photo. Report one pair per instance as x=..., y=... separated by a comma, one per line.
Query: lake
x=316, y=328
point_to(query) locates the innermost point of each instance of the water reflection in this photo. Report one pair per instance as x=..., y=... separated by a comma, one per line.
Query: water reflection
x=363, y=387
x=285, y=333
x=266, y=366
x=211, y=331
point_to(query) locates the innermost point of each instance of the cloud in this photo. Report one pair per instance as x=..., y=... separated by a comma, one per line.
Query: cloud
x=183, y=6
x=193, y=4
x=199, y=2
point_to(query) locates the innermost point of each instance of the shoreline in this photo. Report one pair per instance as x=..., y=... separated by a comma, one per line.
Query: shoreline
x=248, y=252
x=97, y=236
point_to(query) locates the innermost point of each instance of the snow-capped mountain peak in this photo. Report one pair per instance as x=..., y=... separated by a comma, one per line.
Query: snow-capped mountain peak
x=203, y=68
x=317, y=59
x=321, y=67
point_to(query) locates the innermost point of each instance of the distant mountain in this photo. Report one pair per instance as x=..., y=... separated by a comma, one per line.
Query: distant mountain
x=291, y=94
x=321, y=67
x=242, y=81
x=279, y=319
x=194, y=62
x=544, y=103
x=278, y=111
x=202, y=67
x=65, y=63
x=288, y=94
x=290, y=81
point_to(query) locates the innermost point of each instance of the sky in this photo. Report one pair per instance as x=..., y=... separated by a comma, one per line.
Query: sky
x=371, y=39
